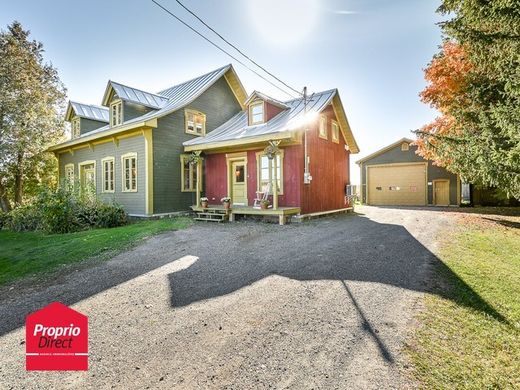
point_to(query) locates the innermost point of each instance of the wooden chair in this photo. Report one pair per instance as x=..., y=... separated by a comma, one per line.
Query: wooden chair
x=262, y=195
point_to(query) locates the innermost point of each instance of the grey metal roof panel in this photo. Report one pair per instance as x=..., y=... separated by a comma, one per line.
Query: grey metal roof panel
x=137, y=96
x=291, y=119
x=90, y=111
x=177, y=97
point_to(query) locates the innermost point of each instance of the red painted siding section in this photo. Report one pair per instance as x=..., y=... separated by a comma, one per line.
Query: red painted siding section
x=271, y=111
x=215, y=179
x=329, y=169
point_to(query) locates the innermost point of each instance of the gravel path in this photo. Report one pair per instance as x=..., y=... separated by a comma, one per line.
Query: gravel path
x=324, y=304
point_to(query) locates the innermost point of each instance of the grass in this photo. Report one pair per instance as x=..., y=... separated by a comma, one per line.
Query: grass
x=24, y=254
x=460, y=344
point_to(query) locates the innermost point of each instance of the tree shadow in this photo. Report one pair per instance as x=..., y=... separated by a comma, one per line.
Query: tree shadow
x=508, y=211
x=504, y=222
x=345, y=248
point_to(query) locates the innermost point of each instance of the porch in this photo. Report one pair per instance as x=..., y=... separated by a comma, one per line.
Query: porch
x=213, y=212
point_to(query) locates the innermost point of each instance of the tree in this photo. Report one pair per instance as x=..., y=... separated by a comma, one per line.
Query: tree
x=31, y=107
x=474, y=82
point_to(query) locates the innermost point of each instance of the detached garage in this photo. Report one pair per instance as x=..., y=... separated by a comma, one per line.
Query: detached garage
x=396, y=176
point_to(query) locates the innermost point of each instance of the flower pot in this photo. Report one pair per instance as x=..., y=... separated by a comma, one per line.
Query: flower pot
x=204, y=205
x=227, y=205
x=264, y=206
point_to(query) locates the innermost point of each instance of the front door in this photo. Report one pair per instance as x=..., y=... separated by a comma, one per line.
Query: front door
x=88, y=178
x=441, y=192
x=238, y=183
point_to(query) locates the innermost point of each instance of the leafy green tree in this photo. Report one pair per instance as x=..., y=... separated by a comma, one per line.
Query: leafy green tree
x=478, y=135
x=31, y=106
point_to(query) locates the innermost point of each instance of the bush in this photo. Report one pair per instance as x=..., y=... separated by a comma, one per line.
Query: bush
x=62, y=211
x=4, y=219
x=24, y=218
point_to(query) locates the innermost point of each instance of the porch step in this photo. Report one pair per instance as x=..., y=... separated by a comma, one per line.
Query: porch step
x=212, y=215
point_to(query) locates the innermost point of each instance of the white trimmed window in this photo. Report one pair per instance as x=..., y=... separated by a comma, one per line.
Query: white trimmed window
x=188, y=175
x=256, y=113
x=129, y=172
x=116, y=113
x=335, y=131
x=87, y=175
x=265, y=171
x=405, y=146
x=69, y=176
x=75, y=127
x=323, y=127
x=107, y=165
x=195, y=122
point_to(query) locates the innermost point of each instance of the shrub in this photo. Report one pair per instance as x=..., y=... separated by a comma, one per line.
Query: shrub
x=4, y=219
x=24, y=218
x=63, y=211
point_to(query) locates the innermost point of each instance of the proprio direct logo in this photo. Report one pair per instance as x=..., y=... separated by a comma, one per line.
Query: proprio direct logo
x=56, y=339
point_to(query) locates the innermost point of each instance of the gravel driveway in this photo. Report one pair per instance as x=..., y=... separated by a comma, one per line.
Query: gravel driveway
x=324, y=304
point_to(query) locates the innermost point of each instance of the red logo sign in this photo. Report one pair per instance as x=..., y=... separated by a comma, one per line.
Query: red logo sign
x=56, y=339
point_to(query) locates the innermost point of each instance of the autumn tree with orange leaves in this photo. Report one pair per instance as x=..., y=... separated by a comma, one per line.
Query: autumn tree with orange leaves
x=474, y=84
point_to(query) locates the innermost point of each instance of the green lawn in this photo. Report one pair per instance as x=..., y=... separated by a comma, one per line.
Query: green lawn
x=470, y=337
x=23, y=254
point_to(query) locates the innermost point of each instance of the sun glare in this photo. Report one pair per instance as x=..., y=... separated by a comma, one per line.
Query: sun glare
x=283, y=22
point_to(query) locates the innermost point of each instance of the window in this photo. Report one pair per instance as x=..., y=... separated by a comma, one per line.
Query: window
x=335, y=132
x=87, y=176
x=75, y=127
x=256, y=113
x=188, y=174
x=323, y=127
x=108, y=174
x=69, y=176
x=116, y=113
x=405, y=147
x=265, y=168
x=195, y=122
x=129, y=174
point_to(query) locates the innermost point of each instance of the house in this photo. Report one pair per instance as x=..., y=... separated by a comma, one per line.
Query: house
x=296, y=151
x=396, y=175
x=129, y=150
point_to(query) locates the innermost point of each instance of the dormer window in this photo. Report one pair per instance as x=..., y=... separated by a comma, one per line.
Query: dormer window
x=195, y=122
x=256, y=113
x=116, y=113
x=75, y=127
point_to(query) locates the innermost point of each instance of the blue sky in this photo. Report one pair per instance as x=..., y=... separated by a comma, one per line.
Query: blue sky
x=372, y=50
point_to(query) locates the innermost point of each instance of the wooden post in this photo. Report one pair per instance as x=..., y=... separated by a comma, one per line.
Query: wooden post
x=275, y=185
x=199, y=174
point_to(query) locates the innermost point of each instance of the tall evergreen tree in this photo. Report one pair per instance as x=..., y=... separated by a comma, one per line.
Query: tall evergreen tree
x=478, y=135
x=31, y=105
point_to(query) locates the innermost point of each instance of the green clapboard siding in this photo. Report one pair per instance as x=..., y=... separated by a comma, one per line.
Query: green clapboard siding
x=219, y=104
x=133, y=202
x=87, y=125
x=133, y=110
x=396, y=155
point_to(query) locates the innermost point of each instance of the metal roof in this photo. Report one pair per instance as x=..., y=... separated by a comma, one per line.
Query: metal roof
x=90, y=111
x=268, y=99
x=176, y=97
x=292, y=118
x=137, y=96
x=385, y=149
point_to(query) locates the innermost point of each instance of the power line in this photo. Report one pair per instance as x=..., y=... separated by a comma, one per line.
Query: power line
x=218, y=47
x=237, y=49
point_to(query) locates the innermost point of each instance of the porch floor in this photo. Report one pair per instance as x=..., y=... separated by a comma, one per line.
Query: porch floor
x=281, y=212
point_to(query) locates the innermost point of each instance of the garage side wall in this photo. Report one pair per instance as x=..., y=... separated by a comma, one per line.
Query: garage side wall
x=397, y=156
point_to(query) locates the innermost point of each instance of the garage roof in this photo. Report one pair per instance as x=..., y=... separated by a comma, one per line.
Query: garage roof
x=385, y=149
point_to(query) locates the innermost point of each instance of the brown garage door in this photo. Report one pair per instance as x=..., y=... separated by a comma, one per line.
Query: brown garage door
x=397, y=185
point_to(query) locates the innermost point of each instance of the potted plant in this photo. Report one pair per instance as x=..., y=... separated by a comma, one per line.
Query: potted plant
x=204, y=202
x=226, y=201
x=264, y=204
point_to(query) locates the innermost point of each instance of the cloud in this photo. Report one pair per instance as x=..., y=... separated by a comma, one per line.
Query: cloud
x=344, y=12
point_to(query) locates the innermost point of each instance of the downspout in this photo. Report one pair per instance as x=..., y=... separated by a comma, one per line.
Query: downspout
x=306, y=173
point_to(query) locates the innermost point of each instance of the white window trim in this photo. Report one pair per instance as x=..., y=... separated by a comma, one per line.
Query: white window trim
x=119, y=110
x=66, y=167
x=333, y=123
x=194, y=112
x=405, y=146
x=259, y=155
x=254, y=104
x=193, y=169
x=323, y=120
x=88, y=162
x=103, y=160
x=123, y=157
x=75, y=127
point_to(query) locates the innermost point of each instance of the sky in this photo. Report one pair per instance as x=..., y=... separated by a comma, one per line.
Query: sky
x=373, y=51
